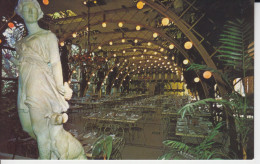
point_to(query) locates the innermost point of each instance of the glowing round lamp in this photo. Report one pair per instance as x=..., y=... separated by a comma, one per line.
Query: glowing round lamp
x=145, y=50
x=88, y=83
x=162, y=49
x=114, y=55
x=171, y=46
x=140, y=5
x=155, y=53
x=104, y=24
x=165, y=21
x=186, y=61
x=45, y=2
x=138, y=27
x=62, y=44
x=155, y=35
x=11, y=25
x=165, y=57
x=172, y=57
x=120, y=24
x=160, y=58
x=123, y=40
x=188, y=45
x=110, y=43
x=95, y=2
x=99, y=47
x=207, y=74
x=74, y=35
x=196, y=79
x=151, y=57
x=136, y=41
x=134, y=50
x=149, y=43
x=124, y=51
x=133, y=57
x=142, y=56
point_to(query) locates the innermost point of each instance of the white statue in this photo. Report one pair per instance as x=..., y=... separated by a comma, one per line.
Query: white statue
x=41, y=91
x=64, y=145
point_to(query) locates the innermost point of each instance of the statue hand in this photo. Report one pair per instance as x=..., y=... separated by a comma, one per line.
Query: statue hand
x=67, y=91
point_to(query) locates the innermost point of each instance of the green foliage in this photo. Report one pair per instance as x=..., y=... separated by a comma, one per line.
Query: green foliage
x=235, y=40
x=103, y=145
x=236, y=62
x=205, y=150
x=192, y=107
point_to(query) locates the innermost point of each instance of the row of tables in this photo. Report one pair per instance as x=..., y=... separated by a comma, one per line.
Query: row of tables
x=114, y=106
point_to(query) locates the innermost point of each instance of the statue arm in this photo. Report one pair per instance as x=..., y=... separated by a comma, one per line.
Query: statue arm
x=57, y=69
x=55, y=62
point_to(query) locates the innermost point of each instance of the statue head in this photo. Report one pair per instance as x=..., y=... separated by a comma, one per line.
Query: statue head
x=29, y=10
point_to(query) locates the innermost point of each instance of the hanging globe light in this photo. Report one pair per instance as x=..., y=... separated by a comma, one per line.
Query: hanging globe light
x=188, y=45
x=140, y=5
x=161, y=49
x=207, y=74
x=134, y=50
x=155, y=35
x=124, y=51
x=123, y=40
x=165, y=57
x=149, y=43
x=120, y=24
x=114, y=55
x=62, y=44
x=104, y=24
x=74, y=35
x=155, y=53
x=133, y=57
x=196, y=79
x=171, y=46
x=172, y=57
x=145, y=50
x=136, y=40
x=11, y=25
x=185, y=61
x=138, y=27
x=99, y=47
x=110, y=43
x=165, y=21
x=45, y=2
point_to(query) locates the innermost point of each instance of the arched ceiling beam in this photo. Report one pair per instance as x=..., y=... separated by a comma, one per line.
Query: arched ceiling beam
x=197, y=44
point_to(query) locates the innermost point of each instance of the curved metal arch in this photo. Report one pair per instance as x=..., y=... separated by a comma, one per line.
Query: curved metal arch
x=130, y=38
x=179, y=23
x=161, y=33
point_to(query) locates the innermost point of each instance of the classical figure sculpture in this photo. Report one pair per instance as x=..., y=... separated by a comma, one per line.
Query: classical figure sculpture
x=41, y=90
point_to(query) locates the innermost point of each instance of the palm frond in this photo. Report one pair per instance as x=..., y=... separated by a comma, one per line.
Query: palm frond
x=234, y=40
x=192, y=107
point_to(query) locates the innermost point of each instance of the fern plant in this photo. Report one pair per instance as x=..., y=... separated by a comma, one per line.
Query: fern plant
x=205, y=150
x=235, y=54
